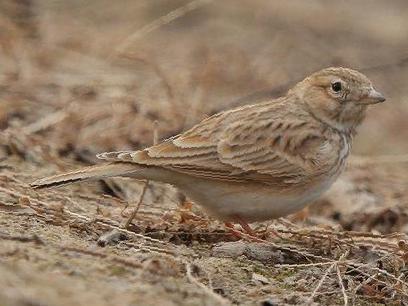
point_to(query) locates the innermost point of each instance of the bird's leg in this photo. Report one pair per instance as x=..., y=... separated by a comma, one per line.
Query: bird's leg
x=271, y=230
x=233, y=231
x=247, y=229
x=248, y=232
x=245, y=226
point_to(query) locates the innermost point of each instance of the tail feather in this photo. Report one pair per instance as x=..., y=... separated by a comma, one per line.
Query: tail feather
x=88, y=173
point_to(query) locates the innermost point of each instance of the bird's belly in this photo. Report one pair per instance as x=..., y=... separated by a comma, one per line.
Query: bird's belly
x=249, y=202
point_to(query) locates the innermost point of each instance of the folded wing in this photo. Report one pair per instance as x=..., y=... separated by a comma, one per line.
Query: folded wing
x=240, y=146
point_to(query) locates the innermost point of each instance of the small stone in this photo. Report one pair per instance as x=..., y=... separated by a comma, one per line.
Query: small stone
x=112, y=237
x=259, y=279
x=229, y=249
x=264, y=253
x=270, y=302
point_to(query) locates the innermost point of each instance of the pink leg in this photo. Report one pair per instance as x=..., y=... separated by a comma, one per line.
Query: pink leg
x=248, y=230
x=247, y=234
x=232, y=230
x=245, y=226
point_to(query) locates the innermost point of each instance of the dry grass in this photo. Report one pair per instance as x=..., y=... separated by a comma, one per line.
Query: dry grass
x=77, y=78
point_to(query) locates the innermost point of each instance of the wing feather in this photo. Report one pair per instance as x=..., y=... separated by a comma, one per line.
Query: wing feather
x=262, y=143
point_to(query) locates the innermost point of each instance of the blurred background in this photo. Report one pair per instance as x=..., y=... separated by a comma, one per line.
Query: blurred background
x=90, y=76
x=80, y=77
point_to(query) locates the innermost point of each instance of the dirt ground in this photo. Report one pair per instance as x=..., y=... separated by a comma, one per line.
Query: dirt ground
x=78, y=78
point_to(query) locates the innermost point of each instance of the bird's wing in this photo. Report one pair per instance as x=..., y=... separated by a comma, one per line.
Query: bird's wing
x=244, y=145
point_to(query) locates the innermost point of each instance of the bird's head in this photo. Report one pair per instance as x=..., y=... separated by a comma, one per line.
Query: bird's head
x=338, y=96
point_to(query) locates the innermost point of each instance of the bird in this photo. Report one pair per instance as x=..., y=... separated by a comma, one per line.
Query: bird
x=255, y=162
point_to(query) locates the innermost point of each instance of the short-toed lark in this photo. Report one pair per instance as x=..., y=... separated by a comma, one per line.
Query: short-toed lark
x=254, y=162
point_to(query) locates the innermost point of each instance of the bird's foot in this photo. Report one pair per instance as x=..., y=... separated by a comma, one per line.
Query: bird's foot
x=245, y=235
x=248, y=232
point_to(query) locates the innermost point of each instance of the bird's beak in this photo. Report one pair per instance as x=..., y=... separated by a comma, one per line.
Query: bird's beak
x=373, y=97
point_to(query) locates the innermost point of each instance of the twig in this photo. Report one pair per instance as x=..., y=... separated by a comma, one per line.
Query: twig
x=206, y=290
x=146, y=182
x=320, y=283
x=358, y=238
x=397, y=279
x=313, y=264
x=366, y=281
x=139, y=202
x=343, y=234
x=343, y=290
x=156, y=24
x=374, y=277
x=335, y=264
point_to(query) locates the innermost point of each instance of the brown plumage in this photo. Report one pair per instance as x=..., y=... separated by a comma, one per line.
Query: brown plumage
x=258, y=161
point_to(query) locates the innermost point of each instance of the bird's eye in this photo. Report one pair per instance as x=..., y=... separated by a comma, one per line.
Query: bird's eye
x=336, y=86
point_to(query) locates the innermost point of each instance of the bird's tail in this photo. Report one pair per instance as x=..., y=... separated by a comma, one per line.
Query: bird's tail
x=88, y=173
